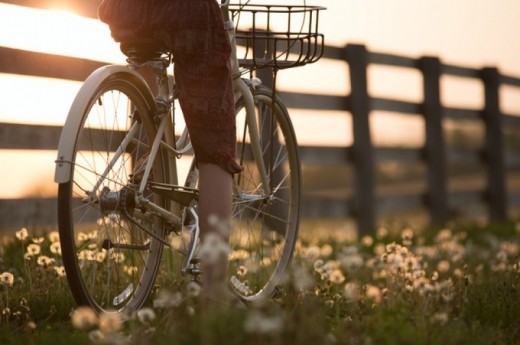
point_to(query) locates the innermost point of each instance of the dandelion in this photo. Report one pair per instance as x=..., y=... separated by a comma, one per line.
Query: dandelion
x=352, y=291
x=84, y=318
x=407, y=235
x=110, y=322
x=60, y=271
x=373, y=293
x=241, y=271
x=312, y=253
x=7, y=278
x=22, y=234
x=146, y=315
x=367, y=241
x=30, y=326
x=213, y=248
x=166, y=299
x=54, y=236
x=82, y=237
x=443, y=266
x=130, y=270
x=391, y=248
x=443, y=235
x=352, y=262
x=318, y=265
x=381, y=232
x=118, y=257
x=45, y=261
x=38, y=240
x=336, y=277
x=193, y=289
x=33, y=249
x=56, y=248
x=439, y=318
x=326, y=250
x=220, y=225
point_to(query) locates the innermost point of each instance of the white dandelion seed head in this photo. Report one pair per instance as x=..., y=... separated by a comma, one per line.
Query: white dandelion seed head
x=33, y=249
x=84, y=318
x=54, y=236
x=146, y=315
x=110, y=322
x=213, y=248
x=193, y=289
x=336, y=277
x=22, y=234
x=7, y=278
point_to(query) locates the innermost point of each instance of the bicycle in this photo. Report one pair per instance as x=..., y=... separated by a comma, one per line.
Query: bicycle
x=119, y=199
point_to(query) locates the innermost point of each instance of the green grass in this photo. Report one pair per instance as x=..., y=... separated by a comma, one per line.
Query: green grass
x=459, y=285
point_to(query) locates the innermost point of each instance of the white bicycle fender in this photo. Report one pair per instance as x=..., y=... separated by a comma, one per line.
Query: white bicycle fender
x=74, y=118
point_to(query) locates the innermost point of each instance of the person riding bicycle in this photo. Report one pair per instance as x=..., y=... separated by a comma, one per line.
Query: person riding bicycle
x=195, y=34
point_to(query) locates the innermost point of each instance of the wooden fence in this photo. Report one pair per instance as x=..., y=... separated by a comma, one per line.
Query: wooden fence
x=364, y=202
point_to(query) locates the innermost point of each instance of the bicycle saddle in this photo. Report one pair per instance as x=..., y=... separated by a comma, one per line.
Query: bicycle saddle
x=143, y=49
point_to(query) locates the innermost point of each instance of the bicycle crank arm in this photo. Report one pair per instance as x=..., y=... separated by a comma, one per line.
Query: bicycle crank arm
x=107, y=244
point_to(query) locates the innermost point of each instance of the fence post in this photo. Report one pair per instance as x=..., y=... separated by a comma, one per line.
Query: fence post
x=493, y=149
x=434, y=149
x=363, y=155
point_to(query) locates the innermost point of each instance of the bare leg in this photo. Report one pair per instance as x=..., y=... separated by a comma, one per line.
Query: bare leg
x=215, y=187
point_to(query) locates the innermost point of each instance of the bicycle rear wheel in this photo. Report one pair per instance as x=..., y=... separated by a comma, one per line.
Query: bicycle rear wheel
x=264, y=226
x=111, y=249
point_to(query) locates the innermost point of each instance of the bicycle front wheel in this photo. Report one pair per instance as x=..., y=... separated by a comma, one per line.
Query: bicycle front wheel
x=265, y=221
x=111, y=248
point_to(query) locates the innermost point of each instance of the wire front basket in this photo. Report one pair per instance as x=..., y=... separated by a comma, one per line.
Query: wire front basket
x=277, y=36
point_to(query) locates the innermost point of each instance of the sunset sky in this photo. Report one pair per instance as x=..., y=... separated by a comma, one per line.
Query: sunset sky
x=473, y=33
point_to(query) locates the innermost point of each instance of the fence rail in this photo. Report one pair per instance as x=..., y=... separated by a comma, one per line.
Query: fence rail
x=364, y=199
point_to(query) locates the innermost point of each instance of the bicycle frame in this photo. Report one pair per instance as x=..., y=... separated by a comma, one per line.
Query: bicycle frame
x=165, y=137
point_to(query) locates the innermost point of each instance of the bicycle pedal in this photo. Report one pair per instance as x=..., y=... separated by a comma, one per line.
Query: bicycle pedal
x=182, y=195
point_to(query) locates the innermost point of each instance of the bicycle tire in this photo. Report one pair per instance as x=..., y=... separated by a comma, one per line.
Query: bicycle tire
x=111, y=263
x=264, y=228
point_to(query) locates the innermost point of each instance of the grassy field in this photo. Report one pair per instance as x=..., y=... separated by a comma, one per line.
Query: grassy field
x=456, y=285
